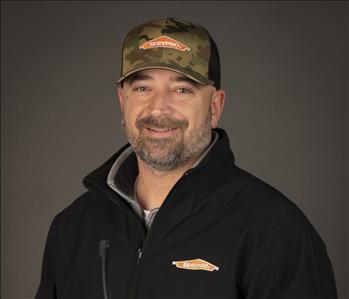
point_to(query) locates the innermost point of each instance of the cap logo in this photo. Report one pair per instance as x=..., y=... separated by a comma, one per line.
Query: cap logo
x=197, y=264
x=164, y=42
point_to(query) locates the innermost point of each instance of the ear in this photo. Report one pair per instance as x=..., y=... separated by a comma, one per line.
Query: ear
x=121, y=96
x=217, y=104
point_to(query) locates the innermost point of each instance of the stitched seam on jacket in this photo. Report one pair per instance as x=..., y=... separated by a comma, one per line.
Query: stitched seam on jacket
x=265, y=243
x=265, y=252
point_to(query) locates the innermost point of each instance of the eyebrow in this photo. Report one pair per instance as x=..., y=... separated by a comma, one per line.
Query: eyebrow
x=138, y=77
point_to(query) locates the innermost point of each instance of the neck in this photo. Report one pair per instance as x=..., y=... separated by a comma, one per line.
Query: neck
x=153, y=186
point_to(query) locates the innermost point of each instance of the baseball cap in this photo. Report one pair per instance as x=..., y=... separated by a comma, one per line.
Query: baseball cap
x=174, y=44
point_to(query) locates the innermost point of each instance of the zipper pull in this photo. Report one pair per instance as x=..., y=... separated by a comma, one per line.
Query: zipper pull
x=139, y=252
x=103, y=246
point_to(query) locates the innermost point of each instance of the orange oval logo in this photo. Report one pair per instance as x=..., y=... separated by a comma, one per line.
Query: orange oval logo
x=164, y=42
x=197, y=264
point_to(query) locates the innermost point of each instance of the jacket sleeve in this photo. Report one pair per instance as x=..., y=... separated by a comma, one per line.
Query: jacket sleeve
x=294, y=265
x=47, y=287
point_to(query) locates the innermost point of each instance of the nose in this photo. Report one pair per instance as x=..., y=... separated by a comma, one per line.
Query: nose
x=160, y=103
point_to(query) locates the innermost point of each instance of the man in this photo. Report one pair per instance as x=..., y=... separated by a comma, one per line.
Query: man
x=170, y=215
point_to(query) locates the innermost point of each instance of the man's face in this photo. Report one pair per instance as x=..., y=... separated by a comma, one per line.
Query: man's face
x=168, y=117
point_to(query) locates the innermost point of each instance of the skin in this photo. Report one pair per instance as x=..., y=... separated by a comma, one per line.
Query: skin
x=162, y=94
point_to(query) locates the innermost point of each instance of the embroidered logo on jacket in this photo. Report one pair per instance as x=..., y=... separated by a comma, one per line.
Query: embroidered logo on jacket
x=164, y=42
x=197, y=264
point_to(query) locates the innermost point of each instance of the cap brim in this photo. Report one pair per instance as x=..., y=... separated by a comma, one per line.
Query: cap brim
x=186, y=72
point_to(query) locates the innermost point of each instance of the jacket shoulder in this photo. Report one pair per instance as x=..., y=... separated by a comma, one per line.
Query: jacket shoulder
x=73, y=211
x=265, y=206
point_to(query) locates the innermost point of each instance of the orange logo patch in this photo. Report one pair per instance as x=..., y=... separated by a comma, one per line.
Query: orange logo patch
x=164, y=42
x=197, y=264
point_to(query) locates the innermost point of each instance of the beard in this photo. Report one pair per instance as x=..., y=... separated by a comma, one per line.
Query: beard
x=168, y=153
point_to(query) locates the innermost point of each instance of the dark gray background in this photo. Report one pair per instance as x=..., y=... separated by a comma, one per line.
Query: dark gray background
x=284, y=69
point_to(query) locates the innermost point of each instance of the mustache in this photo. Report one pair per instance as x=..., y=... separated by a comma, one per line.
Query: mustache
x=161, y=123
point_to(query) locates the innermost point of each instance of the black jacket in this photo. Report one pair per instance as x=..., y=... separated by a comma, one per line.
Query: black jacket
x=220, y=233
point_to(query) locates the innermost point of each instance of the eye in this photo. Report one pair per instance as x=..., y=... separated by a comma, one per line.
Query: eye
x=183, y=90
x=140, y=88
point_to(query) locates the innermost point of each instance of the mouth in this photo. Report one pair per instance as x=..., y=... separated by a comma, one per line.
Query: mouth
x=161, y=132
x=161, y=129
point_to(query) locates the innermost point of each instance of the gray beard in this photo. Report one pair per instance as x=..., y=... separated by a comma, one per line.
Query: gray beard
x=173, y=153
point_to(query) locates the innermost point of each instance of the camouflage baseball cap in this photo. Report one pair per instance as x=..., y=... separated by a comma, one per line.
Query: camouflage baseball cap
x=173, y=44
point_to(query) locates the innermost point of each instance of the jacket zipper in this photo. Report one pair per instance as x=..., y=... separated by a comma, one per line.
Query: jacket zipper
x=142, y=247
x=135, y=274
x=103, y=246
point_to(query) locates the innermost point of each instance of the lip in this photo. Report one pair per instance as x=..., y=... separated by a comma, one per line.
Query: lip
x=160, y=133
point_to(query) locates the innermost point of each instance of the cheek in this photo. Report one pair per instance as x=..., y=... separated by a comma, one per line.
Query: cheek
x=130, y=113
x=199, y=119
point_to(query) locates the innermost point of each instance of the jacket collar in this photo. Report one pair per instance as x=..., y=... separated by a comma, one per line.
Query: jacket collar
x=213, y=162
x=124, y=171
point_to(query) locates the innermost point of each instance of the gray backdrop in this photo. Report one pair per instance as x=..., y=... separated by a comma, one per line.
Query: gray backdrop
x=284, y=69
